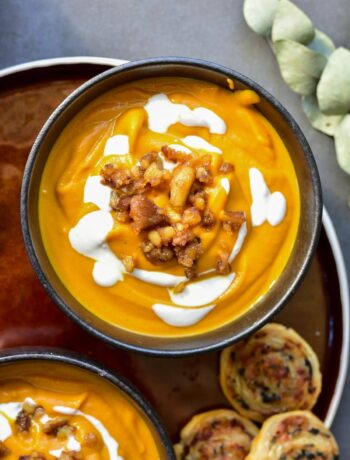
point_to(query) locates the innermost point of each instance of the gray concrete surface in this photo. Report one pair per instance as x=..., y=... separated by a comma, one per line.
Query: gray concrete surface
x=209, y=29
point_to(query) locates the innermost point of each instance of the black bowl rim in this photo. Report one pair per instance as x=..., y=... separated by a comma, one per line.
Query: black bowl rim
x=59, y=355
x=229, y=73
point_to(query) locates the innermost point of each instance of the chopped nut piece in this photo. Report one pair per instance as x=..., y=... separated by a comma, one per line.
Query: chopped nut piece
x=155, y=238
x=23, y=421
x=222, y=264
x=155, y=175
x=166, y=234
x=52, y=426
x=129, y=263
x=145, y=213
x=232, y=220
x=181, y=184
x=203, y=174
x=208, y=220
x=173, y=216
x=33, y=456
x=4, y=451
x=156, y=255
x=226, y=167
x=191, y=216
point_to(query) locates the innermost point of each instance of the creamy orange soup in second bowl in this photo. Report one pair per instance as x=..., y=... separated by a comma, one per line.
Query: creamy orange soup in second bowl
x=169, y=206
x=57, y=411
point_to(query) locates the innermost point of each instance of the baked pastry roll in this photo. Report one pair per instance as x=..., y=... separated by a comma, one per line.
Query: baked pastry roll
x=216, y=434
x=270, y=372
x=294, y=435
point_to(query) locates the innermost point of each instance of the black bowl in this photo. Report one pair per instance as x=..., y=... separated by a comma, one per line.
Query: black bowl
x=281, y=291
x=57, y=355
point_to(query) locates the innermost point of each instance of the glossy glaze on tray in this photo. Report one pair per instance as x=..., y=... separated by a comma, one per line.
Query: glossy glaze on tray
x=177, y=388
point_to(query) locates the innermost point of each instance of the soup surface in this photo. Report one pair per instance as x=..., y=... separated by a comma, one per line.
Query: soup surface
x=169, y=206
x=56, y=411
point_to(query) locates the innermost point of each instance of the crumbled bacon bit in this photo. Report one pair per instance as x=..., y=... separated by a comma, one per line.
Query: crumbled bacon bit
x=226, y=167
x=122, y=181
x=120, y=203
x=191, y=216
x=232, y=220
x=51, y=427
x=182, y=236
x=208, y=220
x=4, y=451
x=188, y=255
x=23, y=421
x=168, y=232
x=145, y=213
x=148, y=159
x=157, y=256
x=174, y=155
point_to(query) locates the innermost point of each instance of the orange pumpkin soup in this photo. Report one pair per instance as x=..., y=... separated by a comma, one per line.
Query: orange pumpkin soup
x=169, y=206
x=56, y=411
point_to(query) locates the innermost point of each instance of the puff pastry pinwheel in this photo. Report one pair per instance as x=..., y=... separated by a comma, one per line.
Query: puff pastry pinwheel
x=270, y=372
x=216, y=435
x=294, y=435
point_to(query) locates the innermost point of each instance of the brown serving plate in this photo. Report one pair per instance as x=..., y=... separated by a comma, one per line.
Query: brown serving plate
x=177, y=387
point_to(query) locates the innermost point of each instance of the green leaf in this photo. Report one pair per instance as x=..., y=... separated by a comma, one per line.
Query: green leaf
x=342, y=144
x=325, y=123
x=259, y=15
x=300, y=66
x=322, y=44
x=333, y=90
x=291, y=23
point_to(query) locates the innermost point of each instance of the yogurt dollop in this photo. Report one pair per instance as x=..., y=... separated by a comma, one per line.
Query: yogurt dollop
x=162, y=113
x=266, y=206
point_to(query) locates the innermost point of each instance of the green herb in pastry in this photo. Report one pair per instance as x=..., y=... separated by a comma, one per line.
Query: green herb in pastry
x=272, y=371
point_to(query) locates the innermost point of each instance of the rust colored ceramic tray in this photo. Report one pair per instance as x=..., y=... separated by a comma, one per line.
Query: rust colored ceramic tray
x=177, y=387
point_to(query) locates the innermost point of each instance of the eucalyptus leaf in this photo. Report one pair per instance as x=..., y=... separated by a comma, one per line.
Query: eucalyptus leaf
x=290, y=23
x=300, y=66
x=325, y=123
x=342, y=144
x=333, y=90
x=259, y=15
x=322, y=44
